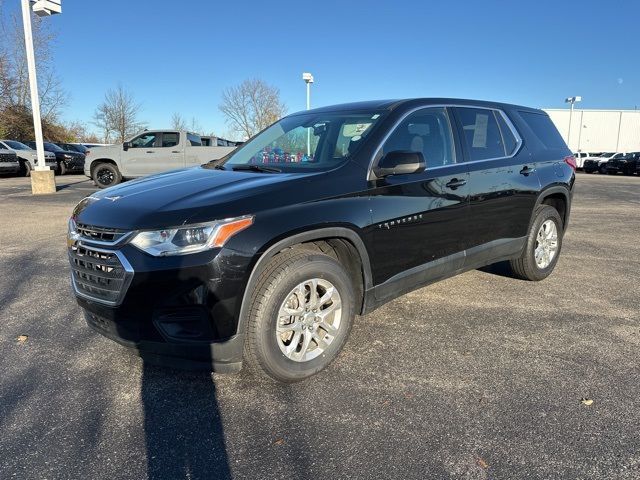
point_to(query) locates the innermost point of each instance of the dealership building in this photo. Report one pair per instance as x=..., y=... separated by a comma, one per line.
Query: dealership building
x=598, y=130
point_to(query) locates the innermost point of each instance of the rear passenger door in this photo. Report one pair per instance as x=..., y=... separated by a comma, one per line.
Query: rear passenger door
x=419, y=219
x=503, y=184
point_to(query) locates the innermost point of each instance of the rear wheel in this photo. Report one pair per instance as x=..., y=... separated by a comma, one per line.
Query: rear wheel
x=106, y=175
x=603, y=169
x=543, y=246
x=300, y=315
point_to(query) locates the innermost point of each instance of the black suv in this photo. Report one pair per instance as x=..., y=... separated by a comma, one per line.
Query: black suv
x=68, y=160
x=627, y=164
x=267, y=254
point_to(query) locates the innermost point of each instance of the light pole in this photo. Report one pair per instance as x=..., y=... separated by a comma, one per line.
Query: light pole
x=572, y=101
x=308, y=79
x=42, y=178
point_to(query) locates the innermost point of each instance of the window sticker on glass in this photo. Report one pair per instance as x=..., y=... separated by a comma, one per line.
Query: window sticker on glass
x=480, y=131
x=355, y=130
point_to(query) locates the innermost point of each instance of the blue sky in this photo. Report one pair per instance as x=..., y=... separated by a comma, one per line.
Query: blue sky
x=178, y=56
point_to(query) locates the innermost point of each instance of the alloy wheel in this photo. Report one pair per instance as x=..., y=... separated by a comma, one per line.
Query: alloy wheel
x=546, y=244
x=309, y=320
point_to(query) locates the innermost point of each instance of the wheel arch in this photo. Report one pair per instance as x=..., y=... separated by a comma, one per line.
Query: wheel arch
x=328, y=235
x=98, y=161
x=559, y=197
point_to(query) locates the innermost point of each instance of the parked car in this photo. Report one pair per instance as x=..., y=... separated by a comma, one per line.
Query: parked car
x=94, y=145
x=275, y=257
x=27, y=157
x=581, y=157
x=9, y=163
x=627, y=164
x=211, y=141
x=151, y=151
x=67, y=161
x=73, y=147
x=598, y=164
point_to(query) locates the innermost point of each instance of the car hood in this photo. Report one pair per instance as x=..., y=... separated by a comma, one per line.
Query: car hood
x=190, y=195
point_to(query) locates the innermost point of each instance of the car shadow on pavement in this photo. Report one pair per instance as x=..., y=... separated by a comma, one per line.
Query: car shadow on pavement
x=183, y=429
x=501, y=269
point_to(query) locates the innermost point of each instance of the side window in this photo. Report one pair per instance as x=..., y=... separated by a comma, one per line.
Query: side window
x=481, y=133
x=146, y=140
x=427, y=131
x=170, y=139
x=544, y=129
x=508, y=138
x=194, y=140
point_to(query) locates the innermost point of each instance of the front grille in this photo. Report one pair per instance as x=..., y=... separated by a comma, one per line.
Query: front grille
x=98, y=274
x=100, y=234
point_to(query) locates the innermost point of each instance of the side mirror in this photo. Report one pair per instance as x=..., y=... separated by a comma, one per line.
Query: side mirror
x=400, y=162
x=126, y=146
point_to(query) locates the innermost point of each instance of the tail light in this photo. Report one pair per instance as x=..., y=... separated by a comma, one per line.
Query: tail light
x=571, y=161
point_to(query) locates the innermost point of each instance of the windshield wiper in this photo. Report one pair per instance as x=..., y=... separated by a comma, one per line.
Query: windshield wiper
x=255, y=168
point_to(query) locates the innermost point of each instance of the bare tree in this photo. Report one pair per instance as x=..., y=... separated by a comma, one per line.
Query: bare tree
x=177, y=122
x=15, y=98
x=251, y=106
x=118, y=115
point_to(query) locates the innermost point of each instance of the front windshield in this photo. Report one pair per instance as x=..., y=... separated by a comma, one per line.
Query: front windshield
x=16, y=145
x=306, y=142
x=607, y=155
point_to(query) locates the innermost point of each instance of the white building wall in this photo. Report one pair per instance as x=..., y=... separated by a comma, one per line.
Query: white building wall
x=599, y=130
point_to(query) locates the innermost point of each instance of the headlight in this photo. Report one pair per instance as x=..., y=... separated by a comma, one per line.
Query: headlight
x=190, y=238
x=72, y=233
x=67, y=156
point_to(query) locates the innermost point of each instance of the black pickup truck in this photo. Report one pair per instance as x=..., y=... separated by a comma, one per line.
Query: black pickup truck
x=627, y=164
x=266, y=255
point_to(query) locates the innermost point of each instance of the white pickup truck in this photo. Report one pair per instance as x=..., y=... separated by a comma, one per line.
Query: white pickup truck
x=151, y=151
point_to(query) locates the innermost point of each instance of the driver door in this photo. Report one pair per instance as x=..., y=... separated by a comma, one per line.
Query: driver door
x=140, y=158
x=420, y=219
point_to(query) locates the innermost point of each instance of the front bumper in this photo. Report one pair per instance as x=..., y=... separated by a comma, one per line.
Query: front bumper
x=74, y=165
x=9, y=167
x=176, y=311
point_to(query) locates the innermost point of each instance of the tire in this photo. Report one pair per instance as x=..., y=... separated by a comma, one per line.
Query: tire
x=62, y=168
x=612, y=172
x=106, y=175
x=25, y=169
x=286, y=272
x=589, y=171
x=603, y=169
x=526, y=267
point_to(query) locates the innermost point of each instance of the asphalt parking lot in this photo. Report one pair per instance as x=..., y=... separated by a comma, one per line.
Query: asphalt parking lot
x=477, y=377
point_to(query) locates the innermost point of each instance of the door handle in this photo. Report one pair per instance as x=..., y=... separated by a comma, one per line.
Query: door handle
x=526, y=170
x=176, y=151
x=149, y=151
x=455, y=183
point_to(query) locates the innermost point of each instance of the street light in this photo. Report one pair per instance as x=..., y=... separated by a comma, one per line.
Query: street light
x=308, y=79
x=42, y=179
x=572, y=101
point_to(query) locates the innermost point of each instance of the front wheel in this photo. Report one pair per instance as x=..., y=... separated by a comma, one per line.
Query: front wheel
x=300, y=316
x=542, y=248
x=602, y=169
x=106, y=175
x=25, y=169
x=62, y=168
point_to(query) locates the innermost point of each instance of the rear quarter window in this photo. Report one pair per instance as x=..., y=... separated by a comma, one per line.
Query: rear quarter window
x=544, y=129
